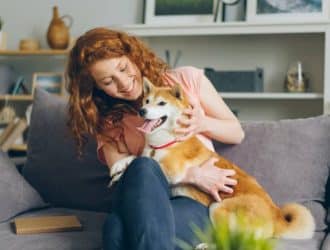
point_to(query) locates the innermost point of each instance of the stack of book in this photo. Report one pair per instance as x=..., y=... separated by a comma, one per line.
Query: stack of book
x=13, y=131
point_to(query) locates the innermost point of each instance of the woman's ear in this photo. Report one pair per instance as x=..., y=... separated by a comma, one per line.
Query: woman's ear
x=147, y=86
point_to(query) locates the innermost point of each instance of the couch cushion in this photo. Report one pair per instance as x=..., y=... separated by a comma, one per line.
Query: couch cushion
x=52, y=166
x=290, y=159
x=311, y=244
x=89, y=238
x=16, y=195
x=326, y=243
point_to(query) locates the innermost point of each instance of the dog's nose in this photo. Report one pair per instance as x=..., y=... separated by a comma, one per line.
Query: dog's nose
x=142, y=112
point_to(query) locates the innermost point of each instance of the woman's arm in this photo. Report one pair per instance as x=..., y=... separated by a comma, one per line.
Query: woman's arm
x=211, y=117
x=219, y=122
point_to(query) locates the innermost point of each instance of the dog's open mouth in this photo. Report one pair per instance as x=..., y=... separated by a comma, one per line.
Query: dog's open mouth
x=150, y=125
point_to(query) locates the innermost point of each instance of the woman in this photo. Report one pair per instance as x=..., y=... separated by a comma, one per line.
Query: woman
x=105, y=73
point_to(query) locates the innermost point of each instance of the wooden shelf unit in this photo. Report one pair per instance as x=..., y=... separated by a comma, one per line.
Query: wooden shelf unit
x=43, y=52
x=16, y=56
x=16, y=97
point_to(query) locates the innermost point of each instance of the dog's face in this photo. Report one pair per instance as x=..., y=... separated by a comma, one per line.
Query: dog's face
x=161, y=107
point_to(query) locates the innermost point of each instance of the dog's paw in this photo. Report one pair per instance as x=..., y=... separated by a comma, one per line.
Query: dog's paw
x=119, y=168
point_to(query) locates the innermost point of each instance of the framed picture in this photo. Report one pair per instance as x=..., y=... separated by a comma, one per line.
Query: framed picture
x=277, y=11
x=178, y=11
x=49, y=81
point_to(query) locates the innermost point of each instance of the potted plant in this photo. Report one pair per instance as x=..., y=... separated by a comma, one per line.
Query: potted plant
x=233, y=233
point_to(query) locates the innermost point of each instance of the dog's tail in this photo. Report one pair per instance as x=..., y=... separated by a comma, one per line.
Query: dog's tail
x=294, y=221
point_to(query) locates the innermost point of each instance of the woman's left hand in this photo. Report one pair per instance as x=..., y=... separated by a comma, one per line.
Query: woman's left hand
x=192, y=121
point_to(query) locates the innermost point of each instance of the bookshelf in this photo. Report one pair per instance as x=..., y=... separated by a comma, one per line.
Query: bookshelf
x=247, y=45
x=25, y=64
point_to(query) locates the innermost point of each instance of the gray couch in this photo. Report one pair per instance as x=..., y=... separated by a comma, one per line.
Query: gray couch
x=289, y=158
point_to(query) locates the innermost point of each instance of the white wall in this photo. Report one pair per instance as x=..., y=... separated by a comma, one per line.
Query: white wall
x=30, y=19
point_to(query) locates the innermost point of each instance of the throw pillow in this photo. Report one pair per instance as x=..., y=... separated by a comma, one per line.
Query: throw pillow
x=16, y=195
x=52, y=166
x=289, y=158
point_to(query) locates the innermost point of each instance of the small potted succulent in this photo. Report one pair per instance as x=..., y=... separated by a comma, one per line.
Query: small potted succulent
x=233, y=233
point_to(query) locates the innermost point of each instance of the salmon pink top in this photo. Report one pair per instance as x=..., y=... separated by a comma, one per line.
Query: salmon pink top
x=190, y=79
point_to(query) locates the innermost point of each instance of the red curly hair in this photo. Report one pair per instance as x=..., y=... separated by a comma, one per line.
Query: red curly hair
x=90, y=106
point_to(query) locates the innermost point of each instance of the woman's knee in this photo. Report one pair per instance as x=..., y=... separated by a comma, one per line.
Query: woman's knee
x=143, y=178
x=144, y=168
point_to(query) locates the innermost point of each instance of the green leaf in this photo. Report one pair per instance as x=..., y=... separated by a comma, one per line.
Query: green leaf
x=233, y=233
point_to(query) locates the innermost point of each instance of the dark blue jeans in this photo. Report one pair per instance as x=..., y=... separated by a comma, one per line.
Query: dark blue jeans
x=143, y=214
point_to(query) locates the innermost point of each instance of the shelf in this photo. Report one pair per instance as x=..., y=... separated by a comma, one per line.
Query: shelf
x=19, y=147
x=230, y=28
x=272, y=95
x=16, y=97
x=43, y=52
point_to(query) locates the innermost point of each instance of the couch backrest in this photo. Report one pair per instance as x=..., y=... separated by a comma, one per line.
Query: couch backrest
x=289, y=158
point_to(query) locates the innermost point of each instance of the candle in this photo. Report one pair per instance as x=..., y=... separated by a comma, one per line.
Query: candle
x=299, y=73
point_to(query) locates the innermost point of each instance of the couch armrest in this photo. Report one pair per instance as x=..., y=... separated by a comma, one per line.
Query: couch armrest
x=16, y=194
x=326, y=243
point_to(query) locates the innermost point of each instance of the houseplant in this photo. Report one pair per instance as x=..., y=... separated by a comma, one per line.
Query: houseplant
x=234, y=232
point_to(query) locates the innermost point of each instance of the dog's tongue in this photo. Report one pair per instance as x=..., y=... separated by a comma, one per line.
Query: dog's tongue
x=148, y=125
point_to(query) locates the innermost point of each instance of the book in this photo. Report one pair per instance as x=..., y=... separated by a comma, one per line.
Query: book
x=47, y=224
x=13, y=134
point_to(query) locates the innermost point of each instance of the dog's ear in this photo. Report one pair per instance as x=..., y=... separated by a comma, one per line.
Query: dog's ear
x=176, y=91
x=147, y=86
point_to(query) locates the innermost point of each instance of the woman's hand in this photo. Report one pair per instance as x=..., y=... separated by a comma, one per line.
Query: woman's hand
x=192, y=121
x=211, y=179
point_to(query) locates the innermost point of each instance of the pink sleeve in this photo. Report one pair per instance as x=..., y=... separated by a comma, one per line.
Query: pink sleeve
x=189, y=77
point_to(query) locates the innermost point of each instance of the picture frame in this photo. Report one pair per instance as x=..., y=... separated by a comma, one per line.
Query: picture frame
x=281, y=11
x=172, y=12
x=50, y=81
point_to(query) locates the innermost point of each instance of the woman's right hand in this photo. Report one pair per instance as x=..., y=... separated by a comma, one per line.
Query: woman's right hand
x=211, y=179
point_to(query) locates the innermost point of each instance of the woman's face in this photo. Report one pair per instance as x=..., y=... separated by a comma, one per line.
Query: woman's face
x=118, y=77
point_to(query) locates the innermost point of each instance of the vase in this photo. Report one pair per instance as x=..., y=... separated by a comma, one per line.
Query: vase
x=58, y=36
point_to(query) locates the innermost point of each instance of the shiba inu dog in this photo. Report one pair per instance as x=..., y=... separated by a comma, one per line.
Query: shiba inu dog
x=162, y=106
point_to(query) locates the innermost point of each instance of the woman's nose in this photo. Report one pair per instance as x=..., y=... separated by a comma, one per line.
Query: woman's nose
x=123, y=83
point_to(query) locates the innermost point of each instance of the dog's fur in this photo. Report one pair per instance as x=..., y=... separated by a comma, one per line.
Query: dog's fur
x=162, y=106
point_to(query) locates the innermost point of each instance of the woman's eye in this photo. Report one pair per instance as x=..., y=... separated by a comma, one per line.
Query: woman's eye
x=123, y=68
x=108, y=83
x=161, y=103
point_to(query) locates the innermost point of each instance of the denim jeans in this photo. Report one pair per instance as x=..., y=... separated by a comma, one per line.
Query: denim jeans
x=144, y=216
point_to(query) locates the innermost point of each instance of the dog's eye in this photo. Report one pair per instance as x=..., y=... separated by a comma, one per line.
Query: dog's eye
x=161, y=103
x=147, y=101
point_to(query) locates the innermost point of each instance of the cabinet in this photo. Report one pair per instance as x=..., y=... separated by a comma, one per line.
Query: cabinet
x=25, y=63
x=245, y=46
